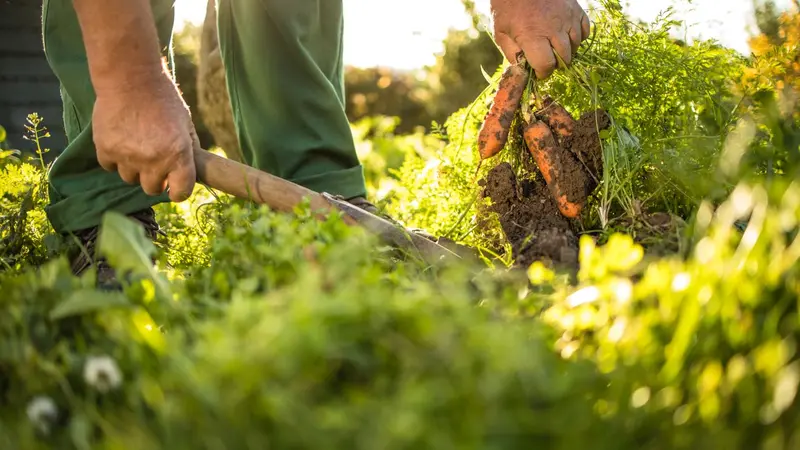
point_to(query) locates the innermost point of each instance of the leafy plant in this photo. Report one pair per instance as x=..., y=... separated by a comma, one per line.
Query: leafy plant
x=771, y=86
x=23, y=195
x=257, y=329
x=671, y=106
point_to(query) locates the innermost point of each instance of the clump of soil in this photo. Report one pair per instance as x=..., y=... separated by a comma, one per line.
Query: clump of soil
x=529, y=218
x=584, y=143
x=525, y=207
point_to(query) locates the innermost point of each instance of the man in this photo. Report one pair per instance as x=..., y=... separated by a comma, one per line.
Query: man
x=130, y=133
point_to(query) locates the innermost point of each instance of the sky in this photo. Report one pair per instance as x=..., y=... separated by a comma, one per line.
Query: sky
x=396, y=34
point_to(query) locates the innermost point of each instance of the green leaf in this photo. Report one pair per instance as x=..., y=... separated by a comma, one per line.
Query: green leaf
x=595, y=77
x=486, y=75
x=86, y=301
x=123, y=242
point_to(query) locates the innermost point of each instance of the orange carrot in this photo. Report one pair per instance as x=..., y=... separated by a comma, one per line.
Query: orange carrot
x=562, y=172
x=558, y=119
x=495, y=128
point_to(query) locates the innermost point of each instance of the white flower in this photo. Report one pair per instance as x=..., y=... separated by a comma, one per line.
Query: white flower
x=102, y=373
x=42, y=412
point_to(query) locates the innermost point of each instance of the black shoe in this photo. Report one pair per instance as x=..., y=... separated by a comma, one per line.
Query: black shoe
x=87, y=256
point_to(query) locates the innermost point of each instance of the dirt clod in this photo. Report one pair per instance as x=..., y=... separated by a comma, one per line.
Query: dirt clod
x=584, y=143
x=530, y=218
x=526, y=208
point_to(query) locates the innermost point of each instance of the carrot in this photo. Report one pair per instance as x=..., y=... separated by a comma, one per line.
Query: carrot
x=494, y=131
x=558, y=119
x=562, y=172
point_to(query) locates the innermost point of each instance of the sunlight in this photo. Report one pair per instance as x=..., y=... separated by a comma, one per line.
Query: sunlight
x=407, y=35
x=379, y=32
x=398, y=34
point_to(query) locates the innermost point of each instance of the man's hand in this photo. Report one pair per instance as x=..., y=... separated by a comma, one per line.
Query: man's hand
x=538, y=28
x=147, y=135
x=142, y=127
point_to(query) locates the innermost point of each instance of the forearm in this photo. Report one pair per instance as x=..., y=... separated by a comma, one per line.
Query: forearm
x=121, y=43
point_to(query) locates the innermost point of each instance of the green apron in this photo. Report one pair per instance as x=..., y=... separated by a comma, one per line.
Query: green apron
x=285, y=78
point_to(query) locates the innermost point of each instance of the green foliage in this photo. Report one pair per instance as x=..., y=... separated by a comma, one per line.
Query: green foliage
x=703, y=349
x=23, y=195
x=675, y=99
x=322, y=322
x=671, y=103
x=771, y=85
x=382, y=151
x=775, y=149
x=768, y=19
x=293, y=321
x=23, y=223
x=419, y=97
x=438, y=186
x=378, y=91
x=257, y=329
x=457, y=76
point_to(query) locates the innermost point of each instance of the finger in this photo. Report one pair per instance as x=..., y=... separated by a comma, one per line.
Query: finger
x=509, y=48
x=586, y=28
x=181, y=181
x=106, y=163
x=540, y=56
x=575, y=40
x=153, y=183
x=562, y=46
x=130, y=176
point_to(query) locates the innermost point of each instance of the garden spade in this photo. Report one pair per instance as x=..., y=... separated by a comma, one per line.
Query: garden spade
x=248, y=183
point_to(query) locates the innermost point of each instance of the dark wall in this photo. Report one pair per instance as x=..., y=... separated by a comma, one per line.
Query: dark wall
x=27, y=84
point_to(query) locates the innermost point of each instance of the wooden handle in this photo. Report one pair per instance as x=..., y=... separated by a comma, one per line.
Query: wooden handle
x=245, y=182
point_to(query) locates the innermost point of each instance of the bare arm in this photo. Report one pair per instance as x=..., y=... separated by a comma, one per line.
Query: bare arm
x=121, y=43
x=142, y=128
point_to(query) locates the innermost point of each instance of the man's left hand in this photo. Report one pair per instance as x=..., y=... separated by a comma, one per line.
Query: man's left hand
x=538, y=28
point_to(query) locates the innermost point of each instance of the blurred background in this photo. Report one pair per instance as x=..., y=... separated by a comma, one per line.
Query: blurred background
x=419, y=61
x=411, y=63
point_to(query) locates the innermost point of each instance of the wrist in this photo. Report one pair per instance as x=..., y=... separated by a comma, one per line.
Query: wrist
x=141, y=79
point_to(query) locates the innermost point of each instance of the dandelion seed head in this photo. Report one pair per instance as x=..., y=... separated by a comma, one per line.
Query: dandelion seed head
x=102, y=373
x=42, y=412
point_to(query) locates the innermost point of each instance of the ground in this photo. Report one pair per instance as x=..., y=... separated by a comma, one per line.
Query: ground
x=526, y=208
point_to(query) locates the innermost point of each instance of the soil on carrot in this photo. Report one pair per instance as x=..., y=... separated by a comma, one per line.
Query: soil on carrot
x=573, y=180
x=530, y=218
x=528, y=213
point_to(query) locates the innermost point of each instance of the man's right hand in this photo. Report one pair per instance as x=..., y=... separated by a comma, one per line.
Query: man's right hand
x=540, y=29
x=142, y=127
x=146, y=134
